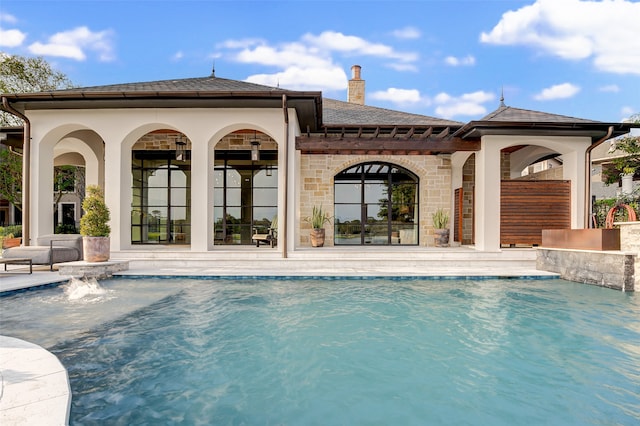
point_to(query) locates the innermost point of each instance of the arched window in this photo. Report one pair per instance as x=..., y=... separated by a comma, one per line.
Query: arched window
x=376, y=204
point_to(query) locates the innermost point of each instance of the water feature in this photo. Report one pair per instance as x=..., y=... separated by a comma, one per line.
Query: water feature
x=143, y=351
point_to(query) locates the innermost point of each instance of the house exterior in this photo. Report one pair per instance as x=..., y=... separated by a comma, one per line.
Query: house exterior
x=198, y=164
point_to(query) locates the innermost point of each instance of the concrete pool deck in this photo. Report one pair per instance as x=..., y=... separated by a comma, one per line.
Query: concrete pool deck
x=35, y=385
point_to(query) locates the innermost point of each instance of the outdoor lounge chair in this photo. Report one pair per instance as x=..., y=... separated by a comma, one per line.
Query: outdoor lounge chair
x=270, y=237
x=50, y=249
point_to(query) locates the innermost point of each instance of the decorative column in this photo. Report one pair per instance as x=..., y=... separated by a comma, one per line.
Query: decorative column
x=202, y=155
x=487, y=196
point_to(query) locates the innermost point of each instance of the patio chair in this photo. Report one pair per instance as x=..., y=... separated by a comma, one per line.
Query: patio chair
x=270, y=237
x=50, y=249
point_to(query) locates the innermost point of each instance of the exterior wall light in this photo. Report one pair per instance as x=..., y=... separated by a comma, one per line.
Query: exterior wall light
x=180, y=149
x=255, y=150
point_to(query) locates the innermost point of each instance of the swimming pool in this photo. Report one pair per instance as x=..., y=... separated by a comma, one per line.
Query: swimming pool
x=340, y=351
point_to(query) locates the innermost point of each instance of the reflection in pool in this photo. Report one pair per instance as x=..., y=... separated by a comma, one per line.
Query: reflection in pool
x=331, y=351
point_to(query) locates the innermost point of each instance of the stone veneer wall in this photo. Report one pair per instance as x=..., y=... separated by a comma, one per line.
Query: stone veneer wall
x=317, y=172
x=240, y=140
x=630, y=242
x=630, y=236
x=468, y=190
x=613, y=269
x=505, y=165
x=554, y=173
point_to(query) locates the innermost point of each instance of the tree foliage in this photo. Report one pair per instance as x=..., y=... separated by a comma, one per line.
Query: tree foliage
x=629, y=162
x=20, y=74
x=11, y=177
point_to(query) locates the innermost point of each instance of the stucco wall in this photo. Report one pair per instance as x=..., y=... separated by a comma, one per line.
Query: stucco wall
x=316, y=180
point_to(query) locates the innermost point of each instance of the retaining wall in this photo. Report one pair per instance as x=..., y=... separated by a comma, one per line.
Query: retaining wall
x=617, y=269
x=611, y=269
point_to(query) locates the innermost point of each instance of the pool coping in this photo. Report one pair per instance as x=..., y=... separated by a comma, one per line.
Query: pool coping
x=34, y=385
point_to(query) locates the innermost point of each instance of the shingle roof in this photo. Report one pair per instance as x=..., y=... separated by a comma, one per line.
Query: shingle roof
x=507, y=114
x=199, y=84
x=334, y=112
x=344, y=113
x=507, y=120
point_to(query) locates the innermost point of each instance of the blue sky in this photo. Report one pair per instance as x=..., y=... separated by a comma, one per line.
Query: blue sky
x=449, y=59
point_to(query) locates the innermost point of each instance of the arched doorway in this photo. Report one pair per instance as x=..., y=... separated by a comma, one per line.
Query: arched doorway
x=245, y=193
x=161, y=192
x=376, y=204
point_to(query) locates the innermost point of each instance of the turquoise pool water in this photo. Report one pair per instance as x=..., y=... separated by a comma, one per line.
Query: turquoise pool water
x=340, y=352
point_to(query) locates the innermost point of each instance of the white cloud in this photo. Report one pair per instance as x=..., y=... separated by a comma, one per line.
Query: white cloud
x=177, y=56
x=74, y=44
x=469, y=104
x=456, y=62
x=310, y=63
x=239, y=44
x=338, y=42
x=407, y=33
x=307, y=78
x=11, y=38
x=604, y=31
x=611, y=88
x=627, y=112
x=289, y=55
x=402, y=67
x=558, y=91
x=399, y=96
x=5, y=17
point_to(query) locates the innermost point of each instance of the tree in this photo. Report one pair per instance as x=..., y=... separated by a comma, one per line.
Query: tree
x=20, y=74
x=11, y=177
x=629, y=163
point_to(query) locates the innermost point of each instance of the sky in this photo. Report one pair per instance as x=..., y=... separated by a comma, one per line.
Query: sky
x=448, y=59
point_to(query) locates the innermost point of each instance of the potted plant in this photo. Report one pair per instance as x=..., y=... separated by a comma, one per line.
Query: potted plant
x=441, y=231
x=94, y=226
x=317, y=220
x=10, y=236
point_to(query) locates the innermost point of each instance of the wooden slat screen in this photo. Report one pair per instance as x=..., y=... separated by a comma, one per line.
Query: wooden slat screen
x=528, y=207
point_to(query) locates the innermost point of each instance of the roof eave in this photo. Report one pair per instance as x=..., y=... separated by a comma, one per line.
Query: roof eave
x=595, y=130
x=308, y=105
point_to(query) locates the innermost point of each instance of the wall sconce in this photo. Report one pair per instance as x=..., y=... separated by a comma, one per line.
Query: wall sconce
x=255, y=148
x=181, y=149
x=269, y=170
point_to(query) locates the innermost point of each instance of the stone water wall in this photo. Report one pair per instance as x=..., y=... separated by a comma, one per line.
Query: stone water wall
x=611, y=269
x=619, y=270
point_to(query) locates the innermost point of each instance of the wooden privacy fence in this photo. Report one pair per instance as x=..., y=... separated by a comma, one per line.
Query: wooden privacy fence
x=528, y=207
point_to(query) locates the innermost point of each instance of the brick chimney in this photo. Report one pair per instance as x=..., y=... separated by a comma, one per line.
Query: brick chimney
x=355, y=91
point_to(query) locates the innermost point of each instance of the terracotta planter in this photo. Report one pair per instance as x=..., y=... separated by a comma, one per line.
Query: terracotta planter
x=317, y=237
x=441, y=237
x=11, y=242
x=95, y=249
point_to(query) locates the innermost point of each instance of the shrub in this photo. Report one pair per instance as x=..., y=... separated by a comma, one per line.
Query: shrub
x=94, y=223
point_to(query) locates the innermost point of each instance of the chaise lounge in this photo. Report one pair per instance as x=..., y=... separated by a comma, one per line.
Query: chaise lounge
x=50, y=249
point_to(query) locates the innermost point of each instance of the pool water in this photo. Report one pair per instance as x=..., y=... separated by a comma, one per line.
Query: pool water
x=340, y=352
